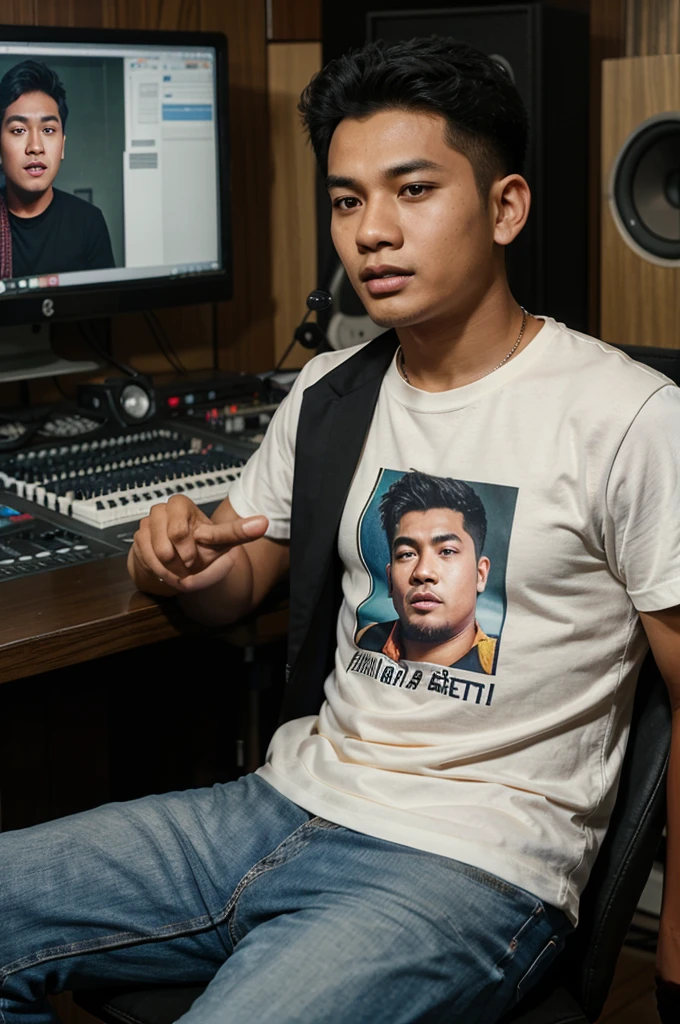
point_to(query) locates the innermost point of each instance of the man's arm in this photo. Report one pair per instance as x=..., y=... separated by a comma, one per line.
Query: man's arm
x=663, y=632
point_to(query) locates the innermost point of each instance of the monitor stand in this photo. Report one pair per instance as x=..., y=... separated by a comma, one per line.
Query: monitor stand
x=26, y=353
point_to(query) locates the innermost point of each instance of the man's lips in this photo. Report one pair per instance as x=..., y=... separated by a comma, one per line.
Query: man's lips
x=383, y=278
x=35, y=169
x=424, y=601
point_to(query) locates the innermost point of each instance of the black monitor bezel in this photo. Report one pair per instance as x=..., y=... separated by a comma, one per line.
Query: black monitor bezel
x=77, y=302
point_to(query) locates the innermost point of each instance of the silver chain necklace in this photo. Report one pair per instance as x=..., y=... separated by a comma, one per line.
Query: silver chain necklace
x=401, y=361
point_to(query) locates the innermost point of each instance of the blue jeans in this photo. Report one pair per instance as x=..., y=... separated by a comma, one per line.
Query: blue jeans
x=288, y=916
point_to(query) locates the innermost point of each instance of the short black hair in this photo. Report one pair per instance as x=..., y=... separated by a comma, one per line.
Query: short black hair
x=419, y=492
x=486, y=118
x=32, y=76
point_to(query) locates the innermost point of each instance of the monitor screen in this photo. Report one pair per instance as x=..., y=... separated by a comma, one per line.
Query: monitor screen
x=113, y=181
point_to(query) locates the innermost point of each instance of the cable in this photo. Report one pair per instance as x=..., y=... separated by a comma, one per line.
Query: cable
x=309, y=336
x=164, y=343
x=292, y=344
x=103, y=354
x=57, y=384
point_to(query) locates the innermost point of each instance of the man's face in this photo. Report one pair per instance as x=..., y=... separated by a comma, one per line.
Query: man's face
x=434, y=575
x=406, y=203
x=31, y=142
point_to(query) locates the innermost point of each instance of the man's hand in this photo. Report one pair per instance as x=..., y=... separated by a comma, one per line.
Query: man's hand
x=178, y=549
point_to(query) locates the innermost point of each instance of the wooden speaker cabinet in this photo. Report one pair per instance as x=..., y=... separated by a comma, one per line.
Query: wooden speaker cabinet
x=640, y=250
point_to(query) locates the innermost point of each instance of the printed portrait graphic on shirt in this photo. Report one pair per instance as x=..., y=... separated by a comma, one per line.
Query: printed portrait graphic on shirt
x=436, y=552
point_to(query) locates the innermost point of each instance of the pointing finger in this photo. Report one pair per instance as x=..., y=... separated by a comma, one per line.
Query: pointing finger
x=238, y=531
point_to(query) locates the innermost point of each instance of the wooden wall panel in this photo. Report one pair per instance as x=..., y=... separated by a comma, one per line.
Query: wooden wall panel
x=652, y=27
x=294, y=20
x=293, y=210
x=607, y=39
x=244, y=325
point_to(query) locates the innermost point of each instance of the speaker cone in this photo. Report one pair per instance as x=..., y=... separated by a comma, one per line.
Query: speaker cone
x=645, y=193
x=135, y=402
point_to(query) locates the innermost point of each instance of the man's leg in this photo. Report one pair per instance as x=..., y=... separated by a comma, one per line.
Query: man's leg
x=357, y=930
x=137, y=892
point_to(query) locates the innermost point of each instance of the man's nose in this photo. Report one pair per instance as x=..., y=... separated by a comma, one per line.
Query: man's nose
x=379, y=226
x=425, y=570
x=34, y=142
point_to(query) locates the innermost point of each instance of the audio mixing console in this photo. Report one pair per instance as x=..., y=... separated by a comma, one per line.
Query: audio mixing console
x=83, y=499
x=29, y=545
x=246, y=422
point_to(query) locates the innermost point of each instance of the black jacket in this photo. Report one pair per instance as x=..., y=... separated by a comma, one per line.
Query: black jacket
x=334, y=420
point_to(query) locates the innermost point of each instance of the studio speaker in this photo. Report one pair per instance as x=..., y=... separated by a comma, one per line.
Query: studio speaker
x=122, y=400
x=545, y=48
x=640, y=255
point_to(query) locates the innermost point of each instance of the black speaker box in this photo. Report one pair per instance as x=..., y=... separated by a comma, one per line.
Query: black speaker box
x=546, y=49
x=123, y=400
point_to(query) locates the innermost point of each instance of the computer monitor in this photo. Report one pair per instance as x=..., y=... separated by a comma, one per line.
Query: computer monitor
x=134, y=212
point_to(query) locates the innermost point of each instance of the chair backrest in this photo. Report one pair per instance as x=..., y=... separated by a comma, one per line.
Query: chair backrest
x=667, y=360
x=625, y=859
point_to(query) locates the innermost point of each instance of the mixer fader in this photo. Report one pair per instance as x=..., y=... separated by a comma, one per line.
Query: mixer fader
x=115, y=480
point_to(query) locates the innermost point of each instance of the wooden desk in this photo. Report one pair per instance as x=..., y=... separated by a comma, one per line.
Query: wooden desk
x=168, y=716
x=69, y=615
x=81, y=612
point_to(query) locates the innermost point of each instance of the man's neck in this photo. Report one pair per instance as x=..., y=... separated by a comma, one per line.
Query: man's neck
x=27, y=204
x=443, y=355
x=447, y=652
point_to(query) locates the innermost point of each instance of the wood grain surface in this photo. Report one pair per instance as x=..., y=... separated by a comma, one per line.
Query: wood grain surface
x=294, y=20
x=652, y=26
x=640, y=300
x=82, y=612
x=293, y=208
x=77, y=613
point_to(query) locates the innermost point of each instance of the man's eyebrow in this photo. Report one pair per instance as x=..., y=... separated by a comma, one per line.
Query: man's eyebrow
x=25, y=120
x=396, y=171
x=410, y=166
x=440, y=538
x=340, y=181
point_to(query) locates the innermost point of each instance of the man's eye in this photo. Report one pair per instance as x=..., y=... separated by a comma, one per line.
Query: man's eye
x=416, y=190
x=345, y=203
x=448, y=551
x=401, y=555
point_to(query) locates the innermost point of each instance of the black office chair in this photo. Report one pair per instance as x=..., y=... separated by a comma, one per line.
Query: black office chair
x=574, y=990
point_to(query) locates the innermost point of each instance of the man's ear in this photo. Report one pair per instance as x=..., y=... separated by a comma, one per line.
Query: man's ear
x=388, y=570
x=63, y=147
x=510, y=202
x=483, y=566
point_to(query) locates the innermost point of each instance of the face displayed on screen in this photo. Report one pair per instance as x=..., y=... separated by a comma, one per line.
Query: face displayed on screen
x=31, y=144
x=435, y=575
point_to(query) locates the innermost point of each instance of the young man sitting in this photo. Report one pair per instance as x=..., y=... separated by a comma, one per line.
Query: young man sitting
x=415, y=846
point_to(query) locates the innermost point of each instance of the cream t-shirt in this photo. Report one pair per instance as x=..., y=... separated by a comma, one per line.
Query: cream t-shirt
x=481, y=696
